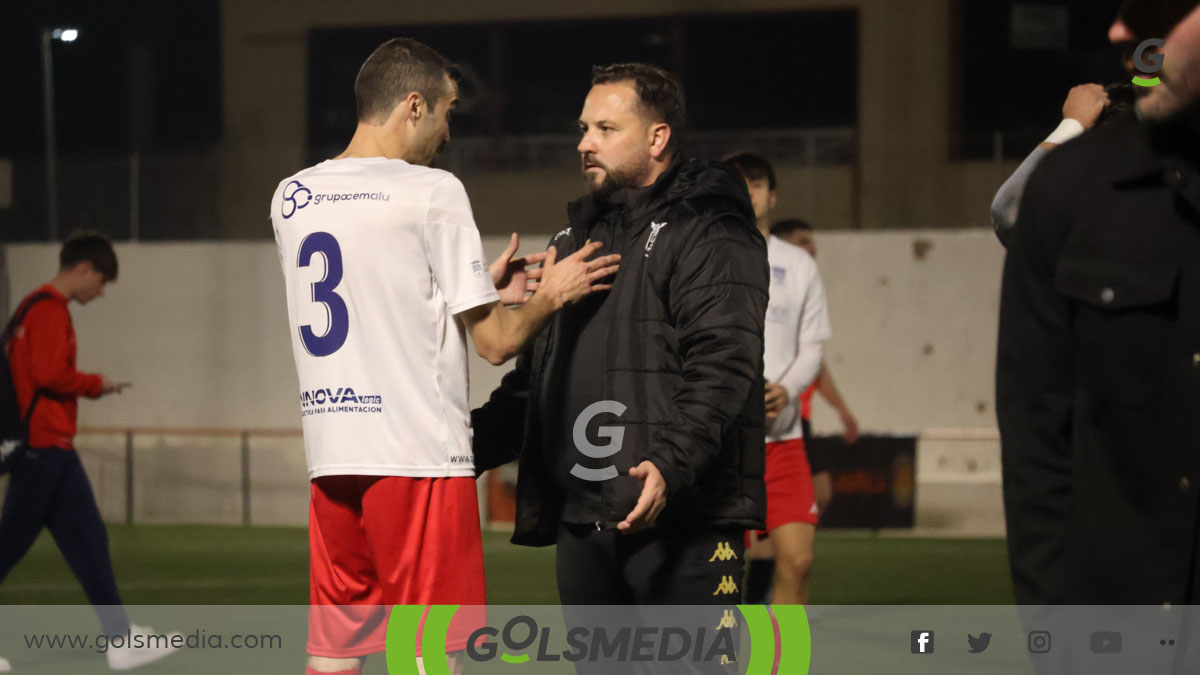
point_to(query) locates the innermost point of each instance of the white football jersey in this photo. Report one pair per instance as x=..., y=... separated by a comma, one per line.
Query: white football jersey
x=378, y=257
x=796, y=314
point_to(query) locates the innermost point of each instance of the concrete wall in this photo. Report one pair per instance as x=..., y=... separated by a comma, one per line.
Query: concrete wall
x=201, y=330
x=907, y=179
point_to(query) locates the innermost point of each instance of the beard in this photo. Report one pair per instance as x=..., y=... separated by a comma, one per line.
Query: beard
x=1178, y=96
x=615, y=178
x=1165, y=106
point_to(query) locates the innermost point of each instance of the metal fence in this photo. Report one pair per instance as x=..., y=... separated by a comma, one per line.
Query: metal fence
x=146, y=475
x=152, y=474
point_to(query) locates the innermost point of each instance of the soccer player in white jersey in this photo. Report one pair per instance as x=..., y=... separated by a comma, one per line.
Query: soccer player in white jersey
x=385, y=275
x=797, y=324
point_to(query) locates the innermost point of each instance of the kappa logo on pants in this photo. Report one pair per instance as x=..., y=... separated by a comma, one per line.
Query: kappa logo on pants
x=724, y=552
x=727, y=620
x=727, y=587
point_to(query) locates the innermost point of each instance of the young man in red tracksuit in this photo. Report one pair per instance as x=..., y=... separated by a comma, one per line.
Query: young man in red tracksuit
x=48, y=486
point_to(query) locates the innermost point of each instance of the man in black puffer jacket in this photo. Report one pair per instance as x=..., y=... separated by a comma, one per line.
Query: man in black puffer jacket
x=637, y=413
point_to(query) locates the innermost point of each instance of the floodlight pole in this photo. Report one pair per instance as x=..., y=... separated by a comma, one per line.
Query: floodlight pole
x=51, y=150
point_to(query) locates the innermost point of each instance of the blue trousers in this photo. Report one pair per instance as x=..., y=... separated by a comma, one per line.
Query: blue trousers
x=48, y=488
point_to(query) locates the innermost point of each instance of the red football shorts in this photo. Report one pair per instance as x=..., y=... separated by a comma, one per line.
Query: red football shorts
x=790, y=496
x=378, y=541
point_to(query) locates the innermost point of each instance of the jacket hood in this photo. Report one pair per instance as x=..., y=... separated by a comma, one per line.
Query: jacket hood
x=695, y=181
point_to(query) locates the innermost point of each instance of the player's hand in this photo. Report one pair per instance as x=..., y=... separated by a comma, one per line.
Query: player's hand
x=566, y=281
x=650, y=504
x=776, y=399
x=510, y=275
x=849, y=427
x=108, y=387
x=1085, y=103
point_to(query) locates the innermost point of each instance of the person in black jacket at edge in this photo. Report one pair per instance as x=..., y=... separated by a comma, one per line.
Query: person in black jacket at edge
x=638, y=415
x=1098, y=373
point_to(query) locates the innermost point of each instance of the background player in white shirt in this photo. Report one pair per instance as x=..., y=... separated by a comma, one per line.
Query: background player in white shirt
x=385, y=275
x=797, y=324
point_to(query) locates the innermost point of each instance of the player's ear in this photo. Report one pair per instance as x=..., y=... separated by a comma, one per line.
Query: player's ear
x=771, y=200
x=412, y=107
x=417, y=105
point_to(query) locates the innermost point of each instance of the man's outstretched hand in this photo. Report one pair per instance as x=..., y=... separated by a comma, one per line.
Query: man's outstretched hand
x=652, y=502
x=511, y=276
x=566, y=281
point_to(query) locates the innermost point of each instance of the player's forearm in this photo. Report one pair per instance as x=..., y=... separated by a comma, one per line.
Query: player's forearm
x=829, y=391
x=1007, y=202
x=506, y=331
x=804, y=369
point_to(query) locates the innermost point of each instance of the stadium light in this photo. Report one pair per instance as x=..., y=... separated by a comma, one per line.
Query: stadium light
x=63, y=34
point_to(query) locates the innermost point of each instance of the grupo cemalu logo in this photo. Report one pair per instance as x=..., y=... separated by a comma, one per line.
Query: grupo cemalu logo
x=297, y=196
x=746, y=632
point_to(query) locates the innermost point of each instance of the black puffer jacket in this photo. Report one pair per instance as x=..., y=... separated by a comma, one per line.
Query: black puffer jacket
x=684, y=353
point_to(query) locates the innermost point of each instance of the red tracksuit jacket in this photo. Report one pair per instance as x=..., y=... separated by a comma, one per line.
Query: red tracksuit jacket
x=42, y=356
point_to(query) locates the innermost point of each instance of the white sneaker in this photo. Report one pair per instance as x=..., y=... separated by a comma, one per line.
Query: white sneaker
x=130, y=656
x=5, y=666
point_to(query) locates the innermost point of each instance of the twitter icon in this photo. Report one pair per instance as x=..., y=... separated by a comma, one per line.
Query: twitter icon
x=978, y=644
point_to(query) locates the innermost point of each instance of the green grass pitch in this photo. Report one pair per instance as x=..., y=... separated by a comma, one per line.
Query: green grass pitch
x=213, y=565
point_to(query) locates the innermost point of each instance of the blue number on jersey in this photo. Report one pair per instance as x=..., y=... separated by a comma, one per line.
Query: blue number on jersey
x=322, y=292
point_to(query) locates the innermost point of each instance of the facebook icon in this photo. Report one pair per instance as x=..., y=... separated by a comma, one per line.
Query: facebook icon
x=922, y=642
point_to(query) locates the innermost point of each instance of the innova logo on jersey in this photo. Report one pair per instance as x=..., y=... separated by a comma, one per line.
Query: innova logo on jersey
x=340, y=399
x=295, y=197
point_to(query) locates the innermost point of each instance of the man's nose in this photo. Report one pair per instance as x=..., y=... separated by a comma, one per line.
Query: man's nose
x=1120, y=33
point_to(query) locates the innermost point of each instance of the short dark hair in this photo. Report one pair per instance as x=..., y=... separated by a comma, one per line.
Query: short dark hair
x=753, y=167
x=397, y=67
x=787, y=226
x=91, y=248
x=659, y=92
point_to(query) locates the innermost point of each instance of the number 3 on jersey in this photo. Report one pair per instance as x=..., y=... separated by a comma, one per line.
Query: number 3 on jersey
x=323, y=292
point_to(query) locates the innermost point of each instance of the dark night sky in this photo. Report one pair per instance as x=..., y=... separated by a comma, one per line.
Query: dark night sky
x=1021, y=91
x=740, y=71
x=146, y=73
x=142, y=72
